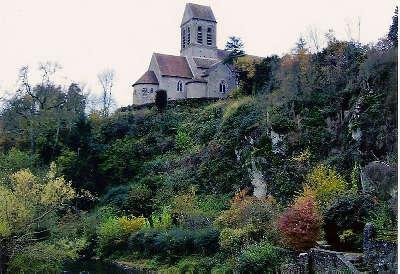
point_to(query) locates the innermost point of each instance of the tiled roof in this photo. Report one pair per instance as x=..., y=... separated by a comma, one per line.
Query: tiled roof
x=149, y=77
x=201, y=12
x=205, y=63
x=171, y=65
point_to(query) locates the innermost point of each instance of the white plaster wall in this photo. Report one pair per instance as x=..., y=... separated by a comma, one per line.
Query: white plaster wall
x=196, y=90
x=140, y=98
x=170, y=85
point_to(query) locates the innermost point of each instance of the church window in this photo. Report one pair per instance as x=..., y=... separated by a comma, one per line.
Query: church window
x=199, y=35
x=188, y=37
x=222, y=87
x=183, y=38
x=179, y=86
x=209, y=36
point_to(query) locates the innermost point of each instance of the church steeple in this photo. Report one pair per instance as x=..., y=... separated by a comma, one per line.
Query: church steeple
x=198, y=32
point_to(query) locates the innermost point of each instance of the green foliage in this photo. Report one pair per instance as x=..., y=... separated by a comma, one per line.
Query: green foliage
x=183, y=139
x=138, y=200
x=384, y=221
x=162, y=220
x=248, y=218
x=45, y=257
x=174, y=243
x=148, y=160
x=261, y=257
x=113, y=232
x=110, y=236
x=122, y=159
x=15, y=160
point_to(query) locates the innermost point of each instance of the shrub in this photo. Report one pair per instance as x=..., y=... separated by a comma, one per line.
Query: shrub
x=253, y=218
x=162, y=220
x=113, y=232
x=138, y=199
x=259, y=258
x=300, y=224
x=170, y=244
x=131, y=225
x=347, y=214
x=161, y=99
x=384, y=221
x=232, y=240
x=116, y=196
x=326, y=183
x=205, y=241
x=110, y=236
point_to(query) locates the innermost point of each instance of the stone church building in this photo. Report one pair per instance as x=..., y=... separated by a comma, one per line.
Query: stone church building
x=199, y=71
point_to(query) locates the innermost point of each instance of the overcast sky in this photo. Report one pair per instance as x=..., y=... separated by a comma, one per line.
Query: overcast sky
x=87, y=36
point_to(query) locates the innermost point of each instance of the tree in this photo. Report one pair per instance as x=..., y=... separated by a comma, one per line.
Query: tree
x=393, y=36
x=29, y=211
x=106, y=79
x=161, y=99
x=38, y=114
x=234, y=47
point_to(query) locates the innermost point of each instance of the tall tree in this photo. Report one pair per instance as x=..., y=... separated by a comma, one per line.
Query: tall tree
x=394, y=28
x=106, y=79
x=234, y=46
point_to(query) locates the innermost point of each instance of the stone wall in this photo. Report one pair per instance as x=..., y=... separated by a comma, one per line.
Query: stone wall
x=216, y=75
x=380, y=255
x=319, y=261
x=144, y=93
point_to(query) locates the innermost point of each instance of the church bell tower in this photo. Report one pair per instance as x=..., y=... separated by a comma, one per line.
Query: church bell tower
x=198, y=32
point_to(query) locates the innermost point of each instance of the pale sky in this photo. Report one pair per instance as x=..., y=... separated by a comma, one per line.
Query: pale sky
x=88, y=36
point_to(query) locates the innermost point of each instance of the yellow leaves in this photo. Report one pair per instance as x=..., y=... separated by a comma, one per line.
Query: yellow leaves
x=25, y=185
x=303, y=156
x=13, y=212
x=29, y=198
x=57, y=192
x=247, y=64
x=130, y=225
x=326, y=183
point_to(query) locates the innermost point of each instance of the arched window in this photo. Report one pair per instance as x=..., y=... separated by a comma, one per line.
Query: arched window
x=199, y=35
x=179, y=86
x=222, y=87
x=209, y=36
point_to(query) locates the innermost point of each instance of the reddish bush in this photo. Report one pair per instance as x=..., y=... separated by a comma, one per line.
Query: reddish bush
x=300, y=224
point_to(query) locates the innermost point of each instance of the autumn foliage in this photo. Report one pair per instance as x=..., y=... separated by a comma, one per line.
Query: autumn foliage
x=300, y=224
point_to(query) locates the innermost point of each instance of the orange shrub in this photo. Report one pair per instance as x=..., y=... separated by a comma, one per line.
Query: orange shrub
x=300, y=224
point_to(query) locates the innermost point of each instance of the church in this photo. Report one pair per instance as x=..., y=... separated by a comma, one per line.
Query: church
x=199, y=70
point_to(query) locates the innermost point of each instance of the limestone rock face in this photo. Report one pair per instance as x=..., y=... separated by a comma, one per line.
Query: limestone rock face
x=257, y=180
x=277, y=140
x=379, y=179
x=356, y=134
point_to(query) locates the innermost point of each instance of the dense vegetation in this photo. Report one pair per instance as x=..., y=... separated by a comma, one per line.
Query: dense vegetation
x=290, y=158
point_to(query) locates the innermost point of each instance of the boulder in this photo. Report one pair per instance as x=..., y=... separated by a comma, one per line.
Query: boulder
x=379, y=179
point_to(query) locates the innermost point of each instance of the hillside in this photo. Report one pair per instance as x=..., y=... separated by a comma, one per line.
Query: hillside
x=304, y=151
